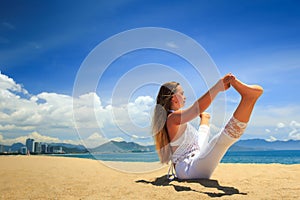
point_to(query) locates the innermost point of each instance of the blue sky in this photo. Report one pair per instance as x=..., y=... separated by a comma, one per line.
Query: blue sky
x=43, y=44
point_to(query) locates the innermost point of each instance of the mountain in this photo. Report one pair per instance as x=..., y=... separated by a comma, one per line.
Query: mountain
x=16, y=146
x=241, y=145
x=13, y=148
x=69, y=146
x=262, y=145
x=121, y=147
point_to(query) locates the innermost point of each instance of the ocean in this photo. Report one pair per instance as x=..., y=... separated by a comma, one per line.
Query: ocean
x=266, y=157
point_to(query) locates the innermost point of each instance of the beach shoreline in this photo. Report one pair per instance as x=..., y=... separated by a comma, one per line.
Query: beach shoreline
x=50, y=177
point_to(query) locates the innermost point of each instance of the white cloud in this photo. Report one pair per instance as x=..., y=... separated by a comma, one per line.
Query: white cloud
x=295, y=124
x=37, y=137
x=295, y=132
x=14, y=127
x=271, y=139
x=94, y=140
x=280, y=125
x=139, y=110
x=52, y=114
x=268, y=130
x=287, y=130
x=42, y=138
x=7, y=83
x=135, y=136
x=117, y=139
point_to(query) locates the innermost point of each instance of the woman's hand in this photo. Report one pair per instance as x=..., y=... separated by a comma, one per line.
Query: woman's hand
x=205, y=117
x=224, y=83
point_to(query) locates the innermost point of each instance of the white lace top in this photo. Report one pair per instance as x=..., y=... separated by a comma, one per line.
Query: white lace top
x=189, y=144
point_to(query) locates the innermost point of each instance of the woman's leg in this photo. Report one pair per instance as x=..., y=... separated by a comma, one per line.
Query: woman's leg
x=249, y=95
x=203, y=165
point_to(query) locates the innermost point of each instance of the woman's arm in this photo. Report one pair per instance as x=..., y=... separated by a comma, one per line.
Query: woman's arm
x=183, y=116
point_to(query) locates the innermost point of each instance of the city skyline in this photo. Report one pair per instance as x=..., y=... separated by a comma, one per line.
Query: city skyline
x=33, y=147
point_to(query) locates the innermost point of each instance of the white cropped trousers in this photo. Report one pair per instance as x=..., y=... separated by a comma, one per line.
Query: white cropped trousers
x=203, y=163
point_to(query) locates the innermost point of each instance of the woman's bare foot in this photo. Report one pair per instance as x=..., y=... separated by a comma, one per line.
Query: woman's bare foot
x=247, y=91
x=250, y=94
x=205, y=117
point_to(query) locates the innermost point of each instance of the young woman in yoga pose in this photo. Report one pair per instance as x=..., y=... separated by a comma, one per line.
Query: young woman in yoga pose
x=192, y=155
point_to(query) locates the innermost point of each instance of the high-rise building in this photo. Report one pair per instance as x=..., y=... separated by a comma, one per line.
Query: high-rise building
x=37, y=147
x=44, y=148
x=56, y=149
x=30, y=145
x=23, y=150
x=2, y=149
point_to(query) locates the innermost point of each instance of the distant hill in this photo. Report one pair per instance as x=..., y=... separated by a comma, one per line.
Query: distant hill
x=66, y=145
x=241, y=145
x=121, y=147
x=261, y=145
x=13, y=148
x=71, y=148
x=16, y=146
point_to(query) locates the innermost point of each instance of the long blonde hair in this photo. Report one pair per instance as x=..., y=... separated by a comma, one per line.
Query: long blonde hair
x=159, y=129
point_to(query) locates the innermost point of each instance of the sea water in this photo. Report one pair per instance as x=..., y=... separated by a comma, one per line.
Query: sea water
x=283, y=157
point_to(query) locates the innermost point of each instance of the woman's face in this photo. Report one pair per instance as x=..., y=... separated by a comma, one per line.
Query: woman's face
x=178, y=99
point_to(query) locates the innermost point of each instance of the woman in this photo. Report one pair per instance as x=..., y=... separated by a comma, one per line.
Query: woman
x=188, y=149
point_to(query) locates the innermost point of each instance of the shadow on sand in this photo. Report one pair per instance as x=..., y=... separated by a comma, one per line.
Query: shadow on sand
x=208, y=183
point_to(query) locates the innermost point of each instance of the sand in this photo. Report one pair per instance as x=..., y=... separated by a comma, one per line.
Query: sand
x=45, y=177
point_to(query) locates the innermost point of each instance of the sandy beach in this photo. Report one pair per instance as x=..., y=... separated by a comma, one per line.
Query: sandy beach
x=45, y=177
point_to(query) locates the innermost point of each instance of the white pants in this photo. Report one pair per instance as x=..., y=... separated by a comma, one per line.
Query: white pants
x=203, y=163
